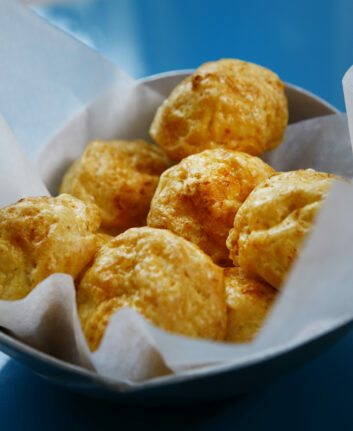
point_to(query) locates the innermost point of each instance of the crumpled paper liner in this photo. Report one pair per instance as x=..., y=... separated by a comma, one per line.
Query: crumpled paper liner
x=46, y=76
x=348, y=97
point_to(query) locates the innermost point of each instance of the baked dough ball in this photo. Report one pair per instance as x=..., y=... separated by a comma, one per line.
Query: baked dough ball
x=227, y=103
x=120, y=177
x=272, y=223
x=102, y=239
x=167, y=279
x=41, y=236
x=198, y=198
x=248, y=302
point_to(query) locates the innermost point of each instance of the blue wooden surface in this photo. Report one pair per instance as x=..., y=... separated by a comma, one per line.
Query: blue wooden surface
x=308, y=43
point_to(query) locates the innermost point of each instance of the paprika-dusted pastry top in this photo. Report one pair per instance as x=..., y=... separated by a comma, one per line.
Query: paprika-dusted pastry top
x=120, y=177
x=225, y=104
x=199, y=197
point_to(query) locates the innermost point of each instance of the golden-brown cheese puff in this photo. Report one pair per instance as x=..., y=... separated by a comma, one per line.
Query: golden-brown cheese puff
x=120, y=177
x=167, y=279
x=248, y=302
x=102, y=239
x=41, y=236
x=198, y=198
x=272, y=223
x=224, y=104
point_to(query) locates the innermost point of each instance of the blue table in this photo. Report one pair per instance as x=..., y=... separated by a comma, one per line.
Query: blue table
x=315, y=397
x=306, y=43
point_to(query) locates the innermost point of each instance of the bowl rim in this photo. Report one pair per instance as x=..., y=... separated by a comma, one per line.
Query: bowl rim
x=127, y=387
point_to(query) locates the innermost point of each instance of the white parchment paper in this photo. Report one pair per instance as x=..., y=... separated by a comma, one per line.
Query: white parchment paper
x=46, y=77
x=348, y=97
x=318, y=294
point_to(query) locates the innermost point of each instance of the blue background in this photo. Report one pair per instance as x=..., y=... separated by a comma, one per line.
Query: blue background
x=308, y=43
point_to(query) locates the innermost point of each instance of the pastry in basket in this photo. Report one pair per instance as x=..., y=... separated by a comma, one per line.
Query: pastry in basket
x=41, y=236
x=224, y=104
x=248, y=302
x=120, y=177
x=167, y=279
x=272, y=223
x=102, y=239
x=198, y=198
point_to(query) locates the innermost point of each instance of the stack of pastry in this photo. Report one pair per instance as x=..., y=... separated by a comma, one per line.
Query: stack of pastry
x=196, y=233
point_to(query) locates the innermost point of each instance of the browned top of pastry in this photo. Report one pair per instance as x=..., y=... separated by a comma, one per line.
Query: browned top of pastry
x=198, y=198
x=224, y=104
x=120, y=177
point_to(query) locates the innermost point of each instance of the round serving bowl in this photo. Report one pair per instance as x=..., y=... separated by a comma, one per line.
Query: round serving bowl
x=220, y=381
